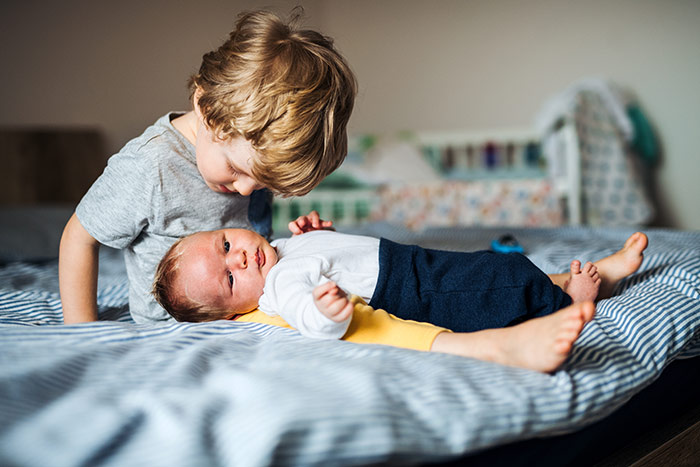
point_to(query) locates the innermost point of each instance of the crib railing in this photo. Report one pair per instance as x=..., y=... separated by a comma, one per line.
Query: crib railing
x=344, y=207
x=476, y=156
x=466, y=156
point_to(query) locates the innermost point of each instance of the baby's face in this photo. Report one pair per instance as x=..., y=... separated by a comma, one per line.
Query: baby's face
x=225, y=269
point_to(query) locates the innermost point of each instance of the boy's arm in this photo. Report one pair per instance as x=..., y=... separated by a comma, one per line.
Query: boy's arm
x=77, y=273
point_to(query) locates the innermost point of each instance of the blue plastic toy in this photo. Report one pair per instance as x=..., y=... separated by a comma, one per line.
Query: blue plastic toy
x=506, y=244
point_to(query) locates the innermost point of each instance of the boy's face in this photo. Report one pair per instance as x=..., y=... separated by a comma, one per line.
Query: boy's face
x=225, y=166
x=225, y=269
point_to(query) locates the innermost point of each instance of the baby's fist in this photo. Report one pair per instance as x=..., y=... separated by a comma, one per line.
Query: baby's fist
x=332, y=302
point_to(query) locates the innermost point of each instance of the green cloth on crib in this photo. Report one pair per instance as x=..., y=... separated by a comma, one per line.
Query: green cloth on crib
x=644, y=143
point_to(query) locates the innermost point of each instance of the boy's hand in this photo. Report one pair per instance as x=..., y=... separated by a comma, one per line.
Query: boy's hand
x=333, y=302
x=310, y=222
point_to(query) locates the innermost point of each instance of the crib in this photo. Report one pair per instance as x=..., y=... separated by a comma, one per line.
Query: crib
x=582, y=165
x=499, y=177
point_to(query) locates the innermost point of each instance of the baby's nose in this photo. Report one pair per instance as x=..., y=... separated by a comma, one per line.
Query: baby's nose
x=239, y=260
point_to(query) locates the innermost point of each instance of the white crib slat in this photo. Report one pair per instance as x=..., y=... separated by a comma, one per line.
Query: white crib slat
x=573, y=174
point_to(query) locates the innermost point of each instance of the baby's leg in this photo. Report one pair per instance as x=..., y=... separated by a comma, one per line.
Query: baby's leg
x=613, y=268
x=583, y=283
x=540, y=344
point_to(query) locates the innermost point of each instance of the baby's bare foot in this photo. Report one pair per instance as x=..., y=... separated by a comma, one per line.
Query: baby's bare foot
x=543, y=344
x=584, y=283
x=622, y=263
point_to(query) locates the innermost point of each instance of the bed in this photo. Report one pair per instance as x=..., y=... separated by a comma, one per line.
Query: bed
x=227, y=393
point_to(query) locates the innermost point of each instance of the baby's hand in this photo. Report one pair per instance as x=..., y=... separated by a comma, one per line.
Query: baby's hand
x=308, y=223
x=333, y=302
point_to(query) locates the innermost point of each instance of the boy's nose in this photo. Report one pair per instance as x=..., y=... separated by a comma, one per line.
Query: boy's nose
x=245, y=186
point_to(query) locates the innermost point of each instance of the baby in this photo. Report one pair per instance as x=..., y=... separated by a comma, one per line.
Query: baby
x=224, y=273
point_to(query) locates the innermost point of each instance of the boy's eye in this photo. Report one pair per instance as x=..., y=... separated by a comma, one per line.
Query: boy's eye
x=230, y=279
x=227, y=246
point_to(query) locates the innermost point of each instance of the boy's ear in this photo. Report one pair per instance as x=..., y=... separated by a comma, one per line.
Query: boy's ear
x=195, y=101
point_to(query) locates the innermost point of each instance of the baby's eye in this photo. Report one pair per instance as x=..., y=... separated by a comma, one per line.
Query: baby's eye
x=227, y=246
x=230, y=279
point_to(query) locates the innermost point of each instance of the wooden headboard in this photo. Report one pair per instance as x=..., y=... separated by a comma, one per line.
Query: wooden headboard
x=49, y=165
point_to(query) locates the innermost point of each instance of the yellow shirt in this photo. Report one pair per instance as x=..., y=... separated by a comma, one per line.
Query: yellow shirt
x=370, y=326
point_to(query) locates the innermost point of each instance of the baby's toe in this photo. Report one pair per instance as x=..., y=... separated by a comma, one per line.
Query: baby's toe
x=575, y=267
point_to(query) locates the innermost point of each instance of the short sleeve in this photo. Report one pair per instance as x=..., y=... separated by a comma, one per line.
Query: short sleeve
x=117, y=206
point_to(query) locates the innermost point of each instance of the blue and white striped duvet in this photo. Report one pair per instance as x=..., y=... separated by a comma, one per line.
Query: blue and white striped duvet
x=117, y=393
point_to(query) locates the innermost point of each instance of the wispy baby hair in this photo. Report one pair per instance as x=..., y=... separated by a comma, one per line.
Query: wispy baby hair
x=177, y=304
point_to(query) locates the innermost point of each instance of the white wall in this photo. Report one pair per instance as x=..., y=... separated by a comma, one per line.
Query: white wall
x=115, y=64
x=421, y=64
x=483, y=64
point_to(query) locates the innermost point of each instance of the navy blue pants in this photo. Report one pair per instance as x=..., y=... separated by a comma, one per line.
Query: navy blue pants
x=460, y=291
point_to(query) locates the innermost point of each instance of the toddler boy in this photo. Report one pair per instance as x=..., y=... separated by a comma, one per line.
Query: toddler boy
x=270, y=110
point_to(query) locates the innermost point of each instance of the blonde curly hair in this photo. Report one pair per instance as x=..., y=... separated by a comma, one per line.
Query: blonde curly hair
x=286, y=90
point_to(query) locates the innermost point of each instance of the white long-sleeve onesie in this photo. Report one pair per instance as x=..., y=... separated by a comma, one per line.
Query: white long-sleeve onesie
x=309, y=260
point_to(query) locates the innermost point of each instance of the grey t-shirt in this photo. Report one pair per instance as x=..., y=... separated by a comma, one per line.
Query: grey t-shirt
x=149, y=195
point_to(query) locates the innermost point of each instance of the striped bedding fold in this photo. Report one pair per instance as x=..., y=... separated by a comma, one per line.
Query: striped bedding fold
x=226, y=393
